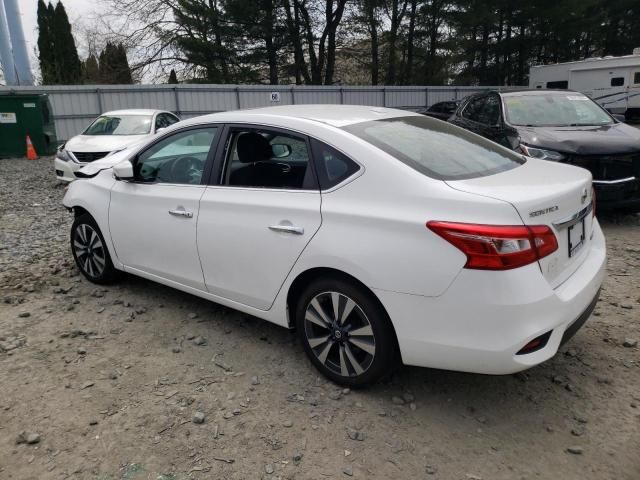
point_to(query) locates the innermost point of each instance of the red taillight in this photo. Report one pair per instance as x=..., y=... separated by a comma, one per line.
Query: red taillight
x=497, y=247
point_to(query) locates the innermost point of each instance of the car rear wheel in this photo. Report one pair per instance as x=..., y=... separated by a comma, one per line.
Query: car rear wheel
x=90, y=251
x=345, y=332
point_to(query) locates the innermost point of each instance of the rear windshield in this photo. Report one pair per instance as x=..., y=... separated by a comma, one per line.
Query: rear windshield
x=435, y=148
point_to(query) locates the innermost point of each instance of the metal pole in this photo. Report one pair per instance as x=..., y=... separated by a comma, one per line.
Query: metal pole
x=6, y=55
x=238, y=97
x=99, y=101
x=18, y=44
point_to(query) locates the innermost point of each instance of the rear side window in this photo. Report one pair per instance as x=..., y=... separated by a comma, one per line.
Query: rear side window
x=636, y=78
x=617, y=81
x=333, y=167
x=437, y=149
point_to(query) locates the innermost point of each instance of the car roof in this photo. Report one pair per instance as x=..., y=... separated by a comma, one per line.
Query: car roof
x=335, y=115
x=135, y=111
x=535, y=91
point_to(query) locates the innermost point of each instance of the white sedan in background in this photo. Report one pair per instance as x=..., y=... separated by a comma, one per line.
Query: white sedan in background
x=109, y=133
x=377, y=234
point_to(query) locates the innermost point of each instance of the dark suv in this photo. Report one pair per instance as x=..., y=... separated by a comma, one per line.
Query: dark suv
x=562, y=126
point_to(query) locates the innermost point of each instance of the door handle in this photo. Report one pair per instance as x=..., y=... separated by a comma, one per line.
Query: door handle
x=181, y=212
x=287, y=229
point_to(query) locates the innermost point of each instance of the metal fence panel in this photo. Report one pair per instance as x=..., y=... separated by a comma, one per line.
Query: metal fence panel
x=74, y=106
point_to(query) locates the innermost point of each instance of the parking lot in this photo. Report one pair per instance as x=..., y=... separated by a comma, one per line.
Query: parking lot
x=139, y=381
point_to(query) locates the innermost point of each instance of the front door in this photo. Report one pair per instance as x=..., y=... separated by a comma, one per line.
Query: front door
x=258, y=218
x=153, y=218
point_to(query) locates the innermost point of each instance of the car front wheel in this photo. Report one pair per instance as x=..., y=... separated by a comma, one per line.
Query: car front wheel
x=345, y=332
x=90, y=251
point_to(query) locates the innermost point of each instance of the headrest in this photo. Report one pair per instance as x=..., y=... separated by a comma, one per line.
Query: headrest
x=253, y=147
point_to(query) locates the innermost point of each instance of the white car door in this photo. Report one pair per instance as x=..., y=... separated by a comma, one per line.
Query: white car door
x=153, y=218
x=256, y=222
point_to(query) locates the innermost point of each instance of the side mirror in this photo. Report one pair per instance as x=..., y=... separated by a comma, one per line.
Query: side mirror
x=123, y=170
x=280, y=150
x=619, y=117
x=158, y=130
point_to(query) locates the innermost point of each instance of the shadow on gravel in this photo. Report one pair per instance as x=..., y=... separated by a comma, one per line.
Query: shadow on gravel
x=499, y=396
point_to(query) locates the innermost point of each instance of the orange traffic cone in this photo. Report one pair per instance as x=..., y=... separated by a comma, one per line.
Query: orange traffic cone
x=31, y=152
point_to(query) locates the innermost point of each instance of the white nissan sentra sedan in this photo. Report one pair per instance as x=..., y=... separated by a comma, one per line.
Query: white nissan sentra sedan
x=375, y=233
x=109, y=133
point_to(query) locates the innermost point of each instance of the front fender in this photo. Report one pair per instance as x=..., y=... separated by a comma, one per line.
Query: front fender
x=94, y=196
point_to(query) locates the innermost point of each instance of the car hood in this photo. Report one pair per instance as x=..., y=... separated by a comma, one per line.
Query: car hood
x=596, y=140
x=101, y=143
x=109, y=161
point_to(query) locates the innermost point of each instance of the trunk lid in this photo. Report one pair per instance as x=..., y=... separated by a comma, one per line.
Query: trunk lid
x=546, y=193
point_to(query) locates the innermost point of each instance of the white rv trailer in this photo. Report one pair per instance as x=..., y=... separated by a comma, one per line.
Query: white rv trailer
x=613, y=82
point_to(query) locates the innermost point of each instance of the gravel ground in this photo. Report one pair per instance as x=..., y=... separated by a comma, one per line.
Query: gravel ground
x=138, y=381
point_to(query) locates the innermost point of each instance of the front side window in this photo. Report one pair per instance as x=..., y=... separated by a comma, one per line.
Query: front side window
x=473, y=110
x=179, y=158
x=164, y=120
x=554, y=110
x=120, y=125
x=490, y=113
x=268, y=159
x=439, y=150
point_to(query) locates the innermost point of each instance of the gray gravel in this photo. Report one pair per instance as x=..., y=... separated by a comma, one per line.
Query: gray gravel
x=114, y=382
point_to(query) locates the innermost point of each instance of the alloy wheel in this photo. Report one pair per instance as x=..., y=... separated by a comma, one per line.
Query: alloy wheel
x=339, y=334
x=89, y=250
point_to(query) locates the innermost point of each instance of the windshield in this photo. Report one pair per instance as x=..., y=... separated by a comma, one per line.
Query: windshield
x=120, y=125
x=437, y=149
x=554, y=110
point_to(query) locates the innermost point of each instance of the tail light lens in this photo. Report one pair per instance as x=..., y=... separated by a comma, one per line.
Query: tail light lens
x=497, y=247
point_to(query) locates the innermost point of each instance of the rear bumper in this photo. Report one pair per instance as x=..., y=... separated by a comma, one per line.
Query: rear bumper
x=485, y=318
x=65, y=171
x=618, y=195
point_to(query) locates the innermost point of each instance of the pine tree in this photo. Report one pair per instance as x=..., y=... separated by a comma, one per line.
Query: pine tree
x=114, y=67
x=123, y=71
x=45, y=44
x=91, y=70
x=67, y=64
x=173, y=78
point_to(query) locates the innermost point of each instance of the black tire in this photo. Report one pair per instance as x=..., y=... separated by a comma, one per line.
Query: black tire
x=90, y=251
x=345, y=352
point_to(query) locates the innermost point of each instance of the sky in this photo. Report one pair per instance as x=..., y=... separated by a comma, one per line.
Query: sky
x=76, y=9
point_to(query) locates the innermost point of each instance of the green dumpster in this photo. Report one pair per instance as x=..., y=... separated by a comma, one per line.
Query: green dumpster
x=22, y=115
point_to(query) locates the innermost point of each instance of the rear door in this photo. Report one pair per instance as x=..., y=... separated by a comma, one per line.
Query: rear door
x=258, y=214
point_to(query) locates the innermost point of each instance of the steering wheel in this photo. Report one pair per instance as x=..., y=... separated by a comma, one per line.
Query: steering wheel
x=186, y=169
